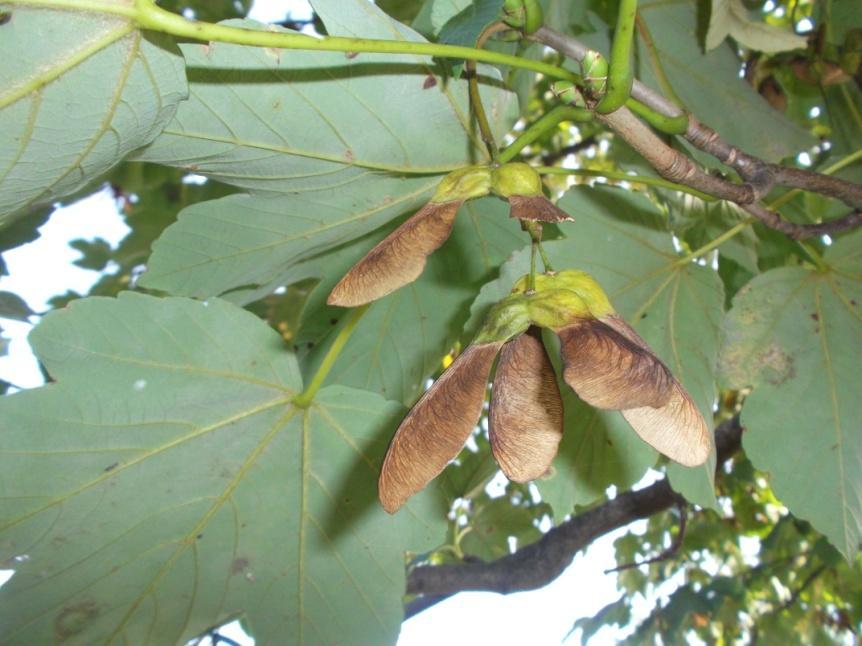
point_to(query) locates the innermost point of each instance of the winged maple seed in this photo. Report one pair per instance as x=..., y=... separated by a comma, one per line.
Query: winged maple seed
x=400, y=257
x=604, y=361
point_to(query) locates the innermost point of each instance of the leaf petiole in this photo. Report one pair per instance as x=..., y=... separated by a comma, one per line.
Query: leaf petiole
x=548, y=121
x=147, y=15
x=304, y=399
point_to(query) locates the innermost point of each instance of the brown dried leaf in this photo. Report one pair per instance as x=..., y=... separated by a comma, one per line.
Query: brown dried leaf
x=610, y=366
x=435, y=430
x=399, y=258
x=536, y=207
x=526, y=417
x=677, y=429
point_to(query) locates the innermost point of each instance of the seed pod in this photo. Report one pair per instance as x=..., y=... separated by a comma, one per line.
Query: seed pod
x=612, y=370
x=399, y=258
x=435, y=430
x=464, y=184
x=526, y=417
x=522, y=186
x=506, y=319
x=556, y=308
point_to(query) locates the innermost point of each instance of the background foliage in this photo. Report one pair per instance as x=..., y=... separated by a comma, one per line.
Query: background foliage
x=165, y=482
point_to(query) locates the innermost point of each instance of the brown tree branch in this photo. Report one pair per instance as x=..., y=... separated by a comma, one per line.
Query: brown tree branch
x=800, y=231
x=677, y=167
x=670, y=163
x=759, y=176
x=664, y=555
x=552, y=158
x=541, y=562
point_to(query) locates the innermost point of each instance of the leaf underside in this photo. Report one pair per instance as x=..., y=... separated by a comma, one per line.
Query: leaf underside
x=252, y=506
x=56, y=138
x=794, y=335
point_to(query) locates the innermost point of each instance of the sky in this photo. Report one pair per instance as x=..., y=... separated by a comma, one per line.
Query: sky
x=42, y=269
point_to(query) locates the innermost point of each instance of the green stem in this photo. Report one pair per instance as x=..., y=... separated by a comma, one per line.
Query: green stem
x=148, y=16
x=545, y=261
x=720, y=240
x=620, y=176
x=531, y=282
x=671, y=125
x=547, y=122
x=620, y=77
x=815, y=256
x=851, y=106
x=476, y=104
x=304, y=399
x=535, y=231
x=655, y=61
x=479, y=112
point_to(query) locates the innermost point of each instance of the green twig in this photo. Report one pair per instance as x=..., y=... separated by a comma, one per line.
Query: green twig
x=304, y=399
x=814, y=255
x=545, y=261
x=146, y=15
x=535, y=231
x=717, y=242
x=620, y=77
x=540, y=127
x=476, y=104
x=531, y=282
x=657, y=68
x=671, y=125
x=620, y=176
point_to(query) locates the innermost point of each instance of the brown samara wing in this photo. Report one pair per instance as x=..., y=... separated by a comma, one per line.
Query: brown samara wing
x=612, y=370
x=399, y=258
x=526, y=417
x=437, y=427
x=677, y=429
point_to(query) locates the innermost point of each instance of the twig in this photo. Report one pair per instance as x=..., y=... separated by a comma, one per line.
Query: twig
x=537, y=564
x=473, y=89
x=665, y=554
x=816, y=572
x=670, y=163
x=550, y=159
x=676, y=167
x=759, y=176
x=800, y=231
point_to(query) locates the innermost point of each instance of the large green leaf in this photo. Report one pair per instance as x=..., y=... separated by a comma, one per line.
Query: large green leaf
x=166, y=483
x=322, y=141
x=794, y=335
x=78, y=92
x=244, y=241
x=402, y=338
x=618, y=238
